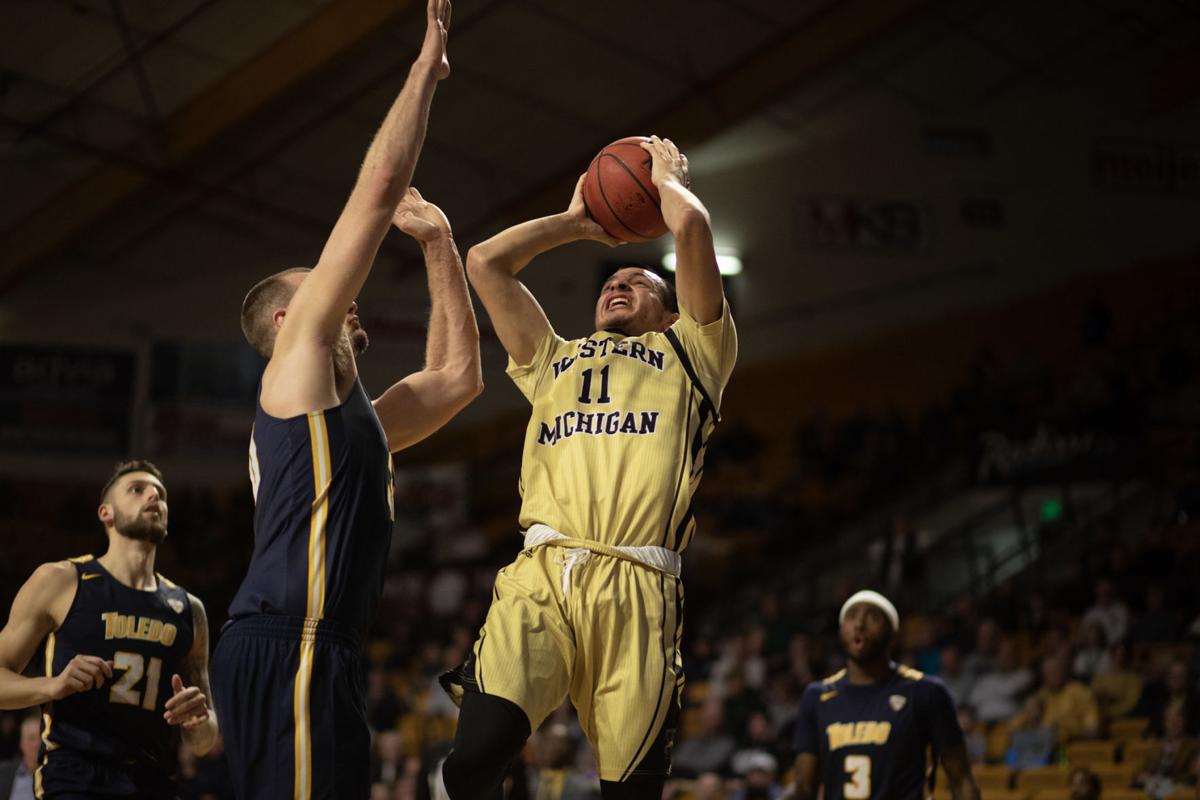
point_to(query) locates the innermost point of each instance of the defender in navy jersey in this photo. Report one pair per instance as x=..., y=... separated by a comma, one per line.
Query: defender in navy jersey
x=877, y=729
x=126, y=657
x=287, y=671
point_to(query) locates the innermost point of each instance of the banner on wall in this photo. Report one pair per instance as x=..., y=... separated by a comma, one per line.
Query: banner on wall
x=861, y=224
x=63, y=399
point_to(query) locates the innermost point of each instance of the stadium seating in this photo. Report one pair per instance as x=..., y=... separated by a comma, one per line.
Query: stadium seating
x=1085, y=754
x=1037, y=780
x=1128, y=728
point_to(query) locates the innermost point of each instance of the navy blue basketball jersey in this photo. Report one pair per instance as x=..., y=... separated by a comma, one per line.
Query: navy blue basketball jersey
x=880, y=740
x=323, y=509
x=114, y=740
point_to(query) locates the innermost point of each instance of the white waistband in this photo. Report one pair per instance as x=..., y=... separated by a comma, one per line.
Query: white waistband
x=659, y=558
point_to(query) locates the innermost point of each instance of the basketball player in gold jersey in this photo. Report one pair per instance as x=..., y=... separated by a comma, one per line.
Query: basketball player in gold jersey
x=591, y=608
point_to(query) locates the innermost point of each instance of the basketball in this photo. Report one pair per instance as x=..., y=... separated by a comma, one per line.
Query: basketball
x=619, y=195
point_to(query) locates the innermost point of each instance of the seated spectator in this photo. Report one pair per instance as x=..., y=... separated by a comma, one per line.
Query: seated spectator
x=16, y=776
x=1170, y=762
x=553, y=775
x=1032, y=742
x=1118, y=690
x=1083, y=784
x=1109, y=611
x=709, y=786
x=388, y=763
x=1092, y=657
x=1157, y=623
x=384, y=709
x=986, y=653
x=1070, y=706
x=759, y=737
x=957, y=681
x=994, y=695
x=709, y=751
x=1177, y=689
x=740, y=702
x=758, y=771
x=974, y=734
x=783, y=704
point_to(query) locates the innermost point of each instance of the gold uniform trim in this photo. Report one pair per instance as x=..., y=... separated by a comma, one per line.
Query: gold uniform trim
x=38, y=791
x=837, y=676
x=318, y=436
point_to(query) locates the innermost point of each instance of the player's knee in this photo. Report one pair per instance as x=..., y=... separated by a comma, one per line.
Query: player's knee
x=491, y=732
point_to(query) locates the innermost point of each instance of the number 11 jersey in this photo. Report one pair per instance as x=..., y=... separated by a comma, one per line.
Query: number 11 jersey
x=615, y=446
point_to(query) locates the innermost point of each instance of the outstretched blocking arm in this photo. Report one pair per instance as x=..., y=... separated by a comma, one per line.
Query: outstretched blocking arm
x=38, y=609
x=493, y=265
x=697, y=278
x=318, y=309
x=190, y=705
x=423, y=402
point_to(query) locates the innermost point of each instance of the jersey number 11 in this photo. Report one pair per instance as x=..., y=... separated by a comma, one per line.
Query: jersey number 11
x=585, y=396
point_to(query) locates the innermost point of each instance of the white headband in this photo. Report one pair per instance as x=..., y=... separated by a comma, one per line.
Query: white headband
x=875, y=599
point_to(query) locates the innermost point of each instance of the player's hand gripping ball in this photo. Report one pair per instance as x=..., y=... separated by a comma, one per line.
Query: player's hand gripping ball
x=619, y=194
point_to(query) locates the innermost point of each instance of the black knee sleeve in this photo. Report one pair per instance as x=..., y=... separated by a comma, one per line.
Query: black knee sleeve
x=639, y=787
x=491, y=732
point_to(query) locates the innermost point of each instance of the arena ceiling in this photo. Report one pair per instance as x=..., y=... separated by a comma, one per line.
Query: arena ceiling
x=235, y=127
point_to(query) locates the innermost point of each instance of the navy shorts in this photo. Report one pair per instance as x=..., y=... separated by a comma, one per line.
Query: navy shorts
x=70, y=775
x=291, y=704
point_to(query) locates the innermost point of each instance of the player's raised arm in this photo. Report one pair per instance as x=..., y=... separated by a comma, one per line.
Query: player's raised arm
x=423, y=402
x=36, y=610
x=697, y=279
x=190, y=705
x=493, y=265
x=317, y=311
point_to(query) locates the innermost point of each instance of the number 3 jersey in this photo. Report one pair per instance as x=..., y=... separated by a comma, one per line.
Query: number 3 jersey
x=114, y=740
x=615, y=445
x=872, y=741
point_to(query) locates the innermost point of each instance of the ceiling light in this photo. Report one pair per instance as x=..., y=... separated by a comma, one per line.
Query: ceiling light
x=728, y=262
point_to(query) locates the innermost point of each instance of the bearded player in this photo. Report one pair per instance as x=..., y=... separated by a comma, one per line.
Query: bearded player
x=126, y=655
x=592, y=607
x=877, y=729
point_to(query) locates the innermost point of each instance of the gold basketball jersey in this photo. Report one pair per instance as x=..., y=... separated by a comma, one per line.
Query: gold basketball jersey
x=615, y=445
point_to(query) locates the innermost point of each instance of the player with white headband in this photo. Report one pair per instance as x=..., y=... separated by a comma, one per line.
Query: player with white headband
x=864, y=732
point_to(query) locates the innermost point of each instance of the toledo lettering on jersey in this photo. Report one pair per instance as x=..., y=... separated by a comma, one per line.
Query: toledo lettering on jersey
x=844, y=734
x=146, y=629
x=602, y=423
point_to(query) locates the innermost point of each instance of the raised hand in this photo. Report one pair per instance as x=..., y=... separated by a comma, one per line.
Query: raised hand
x=187, y=707
x=585, y=226
x=668, y=163
x=437, y=28
x=79, y=675
x=419, y=218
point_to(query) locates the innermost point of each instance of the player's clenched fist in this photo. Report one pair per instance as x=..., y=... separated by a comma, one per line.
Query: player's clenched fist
x=187, y=707
x=81, y=674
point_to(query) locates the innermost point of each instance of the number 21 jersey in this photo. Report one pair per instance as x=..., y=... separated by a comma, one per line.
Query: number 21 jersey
x=114, y=739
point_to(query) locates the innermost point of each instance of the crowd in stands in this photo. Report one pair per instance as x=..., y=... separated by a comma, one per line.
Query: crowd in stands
x=1102, y=652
